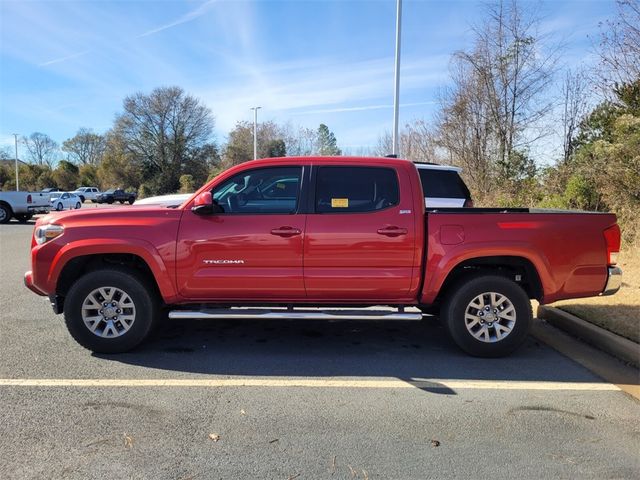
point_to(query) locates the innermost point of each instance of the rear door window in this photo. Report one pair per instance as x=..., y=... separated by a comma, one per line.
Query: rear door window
x=355, y=189
x=442, y=184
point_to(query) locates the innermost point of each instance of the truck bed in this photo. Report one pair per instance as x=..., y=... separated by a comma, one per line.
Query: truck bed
x=537, y=237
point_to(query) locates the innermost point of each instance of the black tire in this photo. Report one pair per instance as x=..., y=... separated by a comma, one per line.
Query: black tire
x=78, y=205
x=59, y=207
x=140, y=293
x=131, y=200
x=81, y=198
x=454, y=310
x=121, y=202
x=23, y=217
x=110, y=200
x=5, y=213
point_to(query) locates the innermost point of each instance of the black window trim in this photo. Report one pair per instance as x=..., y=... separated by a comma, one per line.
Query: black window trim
x=311, y=202
x=299, y=198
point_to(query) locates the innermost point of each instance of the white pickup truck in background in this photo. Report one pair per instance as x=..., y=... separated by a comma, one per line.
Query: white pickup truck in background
x=22, y=205
x=87, y=193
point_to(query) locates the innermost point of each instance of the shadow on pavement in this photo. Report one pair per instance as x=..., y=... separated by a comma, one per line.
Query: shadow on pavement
x=13, y=222
x=410, y=351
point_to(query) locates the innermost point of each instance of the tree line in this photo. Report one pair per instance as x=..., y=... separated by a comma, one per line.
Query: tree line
x=160, y=143
x=508, y=93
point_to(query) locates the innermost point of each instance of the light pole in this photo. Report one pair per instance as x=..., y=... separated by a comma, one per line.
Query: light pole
x=15, y=138
x=396, y=83
x=255, y=131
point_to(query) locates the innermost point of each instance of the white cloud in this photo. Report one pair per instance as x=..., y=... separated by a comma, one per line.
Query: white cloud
x=361, y=108
x=187, y=17
x=338, y=87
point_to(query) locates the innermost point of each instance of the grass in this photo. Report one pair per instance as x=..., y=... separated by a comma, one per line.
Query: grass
x=619, y=313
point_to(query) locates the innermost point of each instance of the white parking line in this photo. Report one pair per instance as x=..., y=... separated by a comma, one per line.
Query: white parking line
x=430, y=384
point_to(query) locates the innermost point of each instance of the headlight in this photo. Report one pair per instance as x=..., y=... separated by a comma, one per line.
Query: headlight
x=48, y=232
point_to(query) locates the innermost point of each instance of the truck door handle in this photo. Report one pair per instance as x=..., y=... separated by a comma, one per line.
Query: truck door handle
x=392, y=231
x=286, y=232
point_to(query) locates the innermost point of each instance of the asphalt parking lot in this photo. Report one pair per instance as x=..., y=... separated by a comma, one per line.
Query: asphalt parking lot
x=294, y=399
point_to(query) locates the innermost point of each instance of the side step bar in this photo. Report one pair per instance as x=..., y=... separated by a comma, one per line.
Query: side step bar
x=269, y=314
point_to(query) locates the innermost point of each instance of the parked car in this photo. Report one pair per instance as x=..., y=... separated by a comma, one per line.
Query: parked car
x=87, y=193
x=348, y=230
x=66, y=201
x=171, y=200
x=51, y=192
x=116, y=195
x=22, y=205
x=443, y=186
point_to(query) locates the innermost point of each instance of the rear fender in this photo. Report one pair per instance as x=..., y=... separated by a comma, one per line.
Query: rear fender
x=439, y=266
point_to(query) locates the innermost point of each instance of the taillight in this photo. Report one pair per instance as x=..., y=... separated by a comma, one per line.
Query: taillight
x=612, y=237
x=468, y=203
x=29, y=199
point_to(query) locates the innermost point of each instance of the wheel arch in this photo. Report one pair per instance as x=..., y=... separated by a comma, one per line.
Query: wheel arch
x=519, y=269
x=76, y=260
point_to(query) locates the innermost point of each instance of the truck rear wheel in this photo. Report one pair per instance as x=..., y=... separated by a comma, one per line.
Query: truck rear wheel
x=488, y=315
x=110, y=310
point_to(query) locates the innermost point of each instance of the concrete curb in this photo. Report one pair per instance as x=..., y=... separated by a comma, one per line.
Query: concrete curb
x=620, y=347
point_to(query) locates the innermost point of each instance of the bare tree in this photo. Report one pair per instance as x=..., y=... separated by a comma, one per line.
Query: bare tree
x=514, y=71
x=416, y=142
x=85, y=148
x=162, y=131
x=465, y=131
x=42, y=149
x=574, y=107
x=300, y=141
x=271, y=142
x=619, y=47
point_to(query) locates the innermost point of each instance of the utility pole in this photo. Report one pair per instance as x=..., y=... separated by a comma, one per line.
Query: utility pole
x=396, y=85
x=255, y=131
x=15, y=138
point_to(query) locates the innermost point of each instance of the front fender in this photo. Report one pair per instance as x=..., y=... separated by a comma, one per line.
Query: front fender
x=97, y=246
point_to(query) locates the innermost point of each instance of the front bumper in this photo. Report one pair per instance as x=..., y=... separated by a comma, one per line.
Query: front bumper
x=28, y=282
x=614, y=280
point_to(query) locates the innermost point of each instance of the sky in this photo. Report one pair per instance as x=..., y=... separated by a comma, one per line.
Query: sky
x=69, y=64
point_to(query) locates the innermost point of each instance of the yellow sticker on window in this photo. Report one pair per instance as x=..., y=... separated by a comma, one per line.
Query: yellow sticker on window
x=339, y=203
x=281, y=186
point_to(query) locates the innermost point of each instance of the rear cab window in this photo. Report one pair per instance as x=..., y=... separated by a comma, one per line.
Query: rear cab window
x=443, y=184
x=353, y=189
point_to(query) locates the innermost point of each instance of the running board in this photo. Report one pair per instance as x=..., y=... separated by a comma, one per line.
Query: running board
x=268, y=314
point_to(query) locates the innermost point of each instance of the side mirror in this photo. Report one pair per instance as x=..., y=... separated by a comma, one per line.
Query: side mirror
x=205, y=205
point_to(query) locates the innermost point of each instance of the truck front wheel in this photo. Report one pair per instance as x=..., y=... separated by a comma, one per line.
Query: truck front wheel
x=488, y=315
x=110, y=310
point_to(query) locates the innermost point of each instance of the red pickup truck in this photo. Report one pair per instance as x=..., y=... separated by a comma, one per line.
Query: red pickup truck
x=317, y=238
